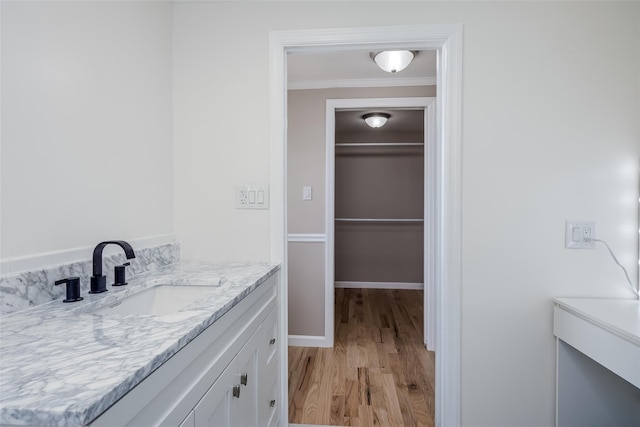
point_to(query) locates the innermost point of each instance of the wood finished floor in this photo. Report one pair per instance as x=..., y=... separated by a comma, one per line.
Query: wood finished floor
x=377, y=374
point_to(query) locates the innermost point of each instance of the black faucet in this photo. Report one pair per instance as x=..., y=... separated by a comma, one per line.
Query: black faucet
x=98, y=281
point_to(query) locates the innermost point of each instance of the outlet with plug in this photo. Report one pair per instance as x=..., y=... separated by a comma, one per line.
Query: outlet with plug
x=579, y=234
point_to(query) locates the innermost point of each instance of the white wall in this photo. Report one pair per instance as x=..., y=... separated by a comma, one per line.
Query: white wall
x=221, y=119
x=86, y=124
x=551, y=132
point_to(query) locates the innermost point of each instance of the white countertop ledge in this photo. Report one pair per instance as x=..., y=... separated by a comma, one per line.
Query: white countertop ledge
x=618, y=316
x=61, y=365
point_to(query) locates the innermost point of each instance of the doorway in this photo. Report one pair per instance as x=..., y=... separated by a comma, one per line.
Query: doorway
x=447, y=40
x=410, y=214
x=377, y=370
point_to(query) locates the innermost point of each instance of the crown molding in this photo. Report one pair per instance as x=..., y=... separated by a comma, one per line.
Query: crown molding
x=347, y=83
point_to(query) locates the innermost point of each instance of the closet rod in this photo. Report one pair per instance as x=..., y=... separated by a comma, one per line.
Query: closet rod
x=379, y=144
x=380, y=219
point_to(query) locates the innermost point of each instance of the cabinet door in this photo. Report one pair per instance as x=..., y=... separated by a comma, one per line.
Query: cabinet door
x=268, y=347
x=190, y=421
x=244, y=408
x=214, y=409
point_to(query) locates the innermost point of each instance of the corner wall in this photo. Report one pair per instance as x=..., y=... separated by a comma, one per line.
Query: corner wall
x=540, y=146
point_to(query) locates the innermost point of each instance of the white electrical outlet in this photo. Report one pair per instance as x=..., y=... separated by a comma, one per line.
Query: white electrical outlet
x=252, y=197
x=242, y=196
x=579, y=234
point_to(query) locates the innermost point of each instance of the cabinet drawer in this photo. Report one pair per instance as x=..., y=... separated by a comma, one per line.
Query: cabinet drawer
x=269, y=341
x=608, y=349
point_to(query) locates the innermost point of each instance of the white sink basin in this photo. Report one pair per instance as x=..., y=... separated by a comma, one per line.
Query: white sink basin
x=158, y=300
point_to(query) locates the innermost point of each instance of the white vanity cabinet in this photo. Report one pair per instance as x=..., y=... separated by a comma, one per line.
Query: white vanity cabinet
x=228, y=376
x=245, y=393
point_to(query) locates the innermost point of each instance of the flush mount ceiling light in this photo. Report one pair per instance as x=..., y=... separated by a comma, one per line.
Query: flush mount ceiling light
x=393, y=61
x=376, y=120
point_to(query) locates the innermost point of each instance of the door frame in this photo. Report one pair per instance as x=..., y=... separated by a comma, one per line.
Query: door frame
x=446, y=39
x=429, y=207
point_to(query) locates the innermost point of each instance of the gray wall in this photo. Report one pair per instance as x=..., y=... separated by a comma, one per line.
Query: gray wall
x=380, y=182
x=306, y=166
x=306, y=289
x=306, y=148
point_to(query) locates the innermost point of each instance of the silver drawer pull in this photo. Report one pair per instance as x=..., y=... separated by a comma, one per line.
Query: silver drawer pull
x=243, y=379
x=272, y=341
x=236, y=390
x=272, y=403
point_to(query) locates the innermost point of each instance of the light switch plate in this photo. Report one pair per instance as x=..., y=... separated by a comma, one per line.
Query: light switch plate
x=306, y=192
x=252, y=197
x=576, y=233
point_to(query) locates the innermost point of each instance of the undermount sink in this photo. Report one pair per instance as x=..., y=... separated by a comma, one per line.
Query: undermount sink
x=158, y=300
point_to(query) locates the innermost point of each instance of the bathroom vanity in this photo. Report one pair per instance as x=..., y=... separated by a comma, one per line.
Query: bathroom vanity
x=597, y=362
x=214, y=362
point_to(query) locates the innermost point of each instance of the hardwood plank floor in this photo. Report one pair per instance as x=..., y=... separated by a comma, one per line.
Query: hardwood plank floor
x=377, y=374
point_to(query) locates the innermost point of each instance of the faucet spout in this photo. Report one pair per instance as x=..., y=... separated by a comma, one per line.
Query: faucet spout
x=98, y=280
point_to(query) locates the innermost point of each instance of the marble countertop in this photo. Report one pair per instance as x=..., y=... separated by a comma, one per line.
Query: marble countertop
x=62, y=365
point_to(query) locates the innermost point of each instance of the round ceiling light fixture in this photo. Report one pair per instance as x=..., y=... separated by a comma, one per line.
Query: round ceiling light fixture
x=376, y=120
x=393, y=61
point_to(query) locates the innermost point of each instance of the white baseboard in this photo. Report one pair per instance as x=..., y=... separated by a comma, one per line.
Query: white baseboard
x=68, y=256
x=379, y=285
x=308, y=341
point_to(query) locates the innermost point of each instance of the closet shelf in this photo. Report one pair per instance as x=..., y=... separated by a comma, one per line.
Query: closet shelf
x=380, y=219
x=379, y=144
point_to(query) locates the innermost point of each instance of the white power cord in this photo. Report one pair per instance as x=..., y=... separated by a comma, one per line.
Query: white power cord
x=626, y=275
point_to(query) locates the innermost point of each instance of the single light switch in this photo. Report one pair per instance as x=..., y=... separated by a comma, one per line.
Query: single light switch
x=306, y=192
x=252, y=196
x=260, y=197
x=576, y=234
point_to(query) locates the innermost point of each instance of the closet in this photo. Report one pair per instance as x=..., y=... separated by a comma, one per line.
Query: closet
x=379, y=201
